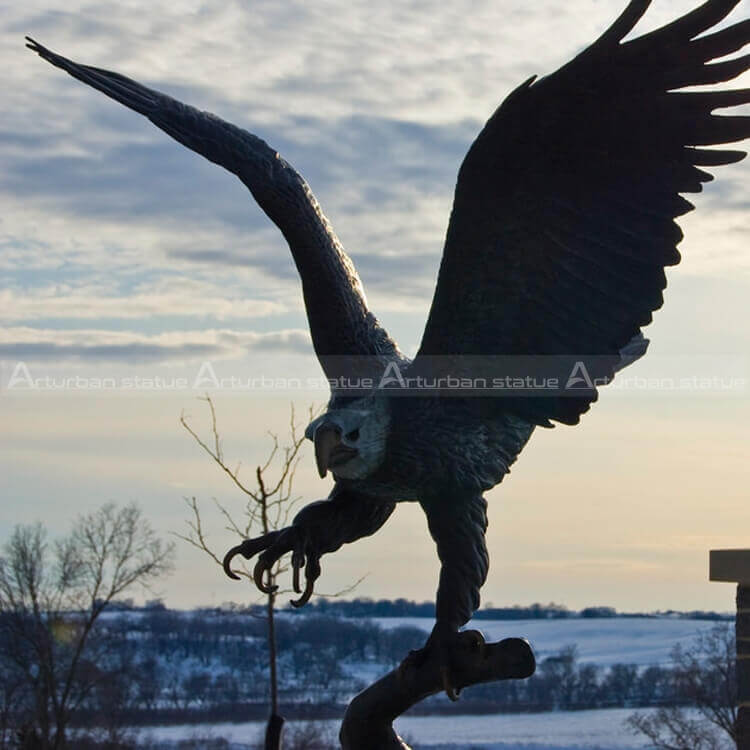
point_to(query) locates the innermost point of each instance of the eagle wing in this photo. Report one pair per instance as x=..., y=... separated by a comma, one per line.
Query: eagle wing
x=341, y=325
x=563, y=217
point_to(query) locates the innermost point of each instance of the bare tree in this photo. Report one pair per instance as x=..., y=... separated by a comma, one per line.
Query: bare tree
x=268, y=506
x=51, y=596
x=706, y=686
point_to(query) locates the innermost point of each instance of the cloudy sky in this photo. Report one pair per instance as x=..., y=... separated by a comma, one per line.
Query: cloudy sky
x=122, y=255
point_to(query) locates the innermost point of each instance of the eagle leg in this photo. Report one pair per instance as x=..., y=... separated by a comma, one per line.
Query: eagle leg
x=458, y=527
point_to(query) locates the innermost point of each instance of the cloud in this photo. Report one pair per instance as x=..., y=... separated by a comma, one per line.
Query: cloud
x=94, y=345
x=56, y=302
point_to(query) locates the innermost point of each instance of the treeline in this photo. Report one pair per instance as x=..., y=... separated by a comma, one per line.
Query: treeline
x=562, y=683
x=364, y=607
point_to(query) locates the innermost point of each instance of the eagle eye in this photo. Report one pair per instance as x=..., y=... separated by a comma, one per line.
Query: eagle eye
x=353, y=435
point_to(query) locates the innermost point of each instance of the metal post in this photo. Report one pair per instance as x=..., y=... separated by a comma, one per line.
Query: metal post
x=734, y=565
x=743, y=666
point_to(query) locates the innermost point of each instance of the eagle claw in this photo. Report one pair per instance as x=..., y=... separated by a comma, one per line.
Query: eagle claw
x=270, y=548
x=248, y=549
x=443, y=647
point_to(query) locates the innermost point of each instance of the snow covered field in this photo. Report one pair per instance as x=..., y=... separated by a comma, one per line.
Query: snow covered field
x=606, y=641
x=579, y=730
x=643, y=641
x=562, y=730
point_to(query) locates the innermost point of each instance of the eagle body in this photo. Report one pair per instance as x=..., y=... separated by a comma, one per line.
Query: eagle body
x=424, y=458
x=563, y=223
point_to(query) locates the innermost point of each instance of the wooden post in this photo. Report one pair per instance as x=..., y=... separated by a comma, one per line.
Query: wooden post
x=733, y=565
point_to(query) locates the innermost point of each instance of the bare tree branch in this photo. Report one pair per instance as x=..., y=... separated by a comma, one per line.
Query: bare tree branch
x=704, y=678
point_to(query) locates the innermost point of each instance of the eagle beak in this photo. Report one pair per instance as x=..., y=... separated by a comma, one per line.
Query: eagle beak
x=327, y=439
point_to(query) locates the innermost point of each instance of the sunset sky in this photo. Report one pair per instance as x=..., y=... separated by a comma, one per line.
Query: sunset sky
x=125, y=256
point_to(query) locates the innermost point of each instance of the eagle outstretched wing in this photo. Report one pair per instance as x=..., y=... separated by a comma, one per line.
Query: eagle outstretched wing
x=342, y=327
x=563, y=218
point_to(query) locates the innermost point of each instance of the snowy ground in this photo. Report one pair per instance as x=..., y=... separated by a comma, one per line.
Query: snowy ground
x=579, y=730
x=642, y=641
x=638, y=640
x=559, y=730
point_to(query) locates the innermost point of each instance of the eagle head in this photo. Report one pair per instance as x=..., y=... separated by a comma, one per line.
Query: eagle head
x=350, y=439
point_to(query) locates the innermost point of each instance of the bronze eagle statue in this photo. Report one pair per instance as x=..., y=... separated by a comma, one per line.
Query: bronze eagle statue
x=562, y=225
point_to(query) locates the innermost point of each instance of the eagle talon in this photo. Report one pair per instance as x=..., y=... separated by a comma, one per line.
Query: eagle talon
x=312, y=573
x=248, y=549
x=445, y=678
x=261, y=567
x=305, y=598
x=298, y=560
x=442, y=648
x=228, y=561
